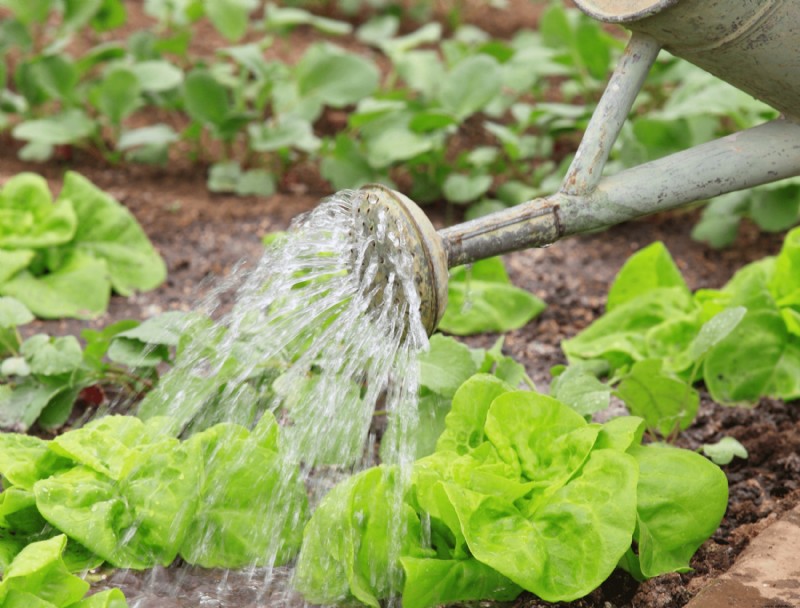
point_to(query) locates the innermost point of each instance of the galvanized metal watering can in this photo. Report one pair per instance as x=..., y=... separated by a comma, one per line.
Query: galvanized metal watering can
x=752, y=44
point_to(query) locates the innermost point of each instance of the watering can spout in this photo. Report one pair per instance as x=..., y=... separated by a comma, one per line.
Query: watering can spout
x=752, y=45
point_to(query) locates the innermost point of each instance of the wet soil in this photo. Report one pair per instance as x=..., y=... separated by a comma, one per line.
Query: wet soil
x=203, y=236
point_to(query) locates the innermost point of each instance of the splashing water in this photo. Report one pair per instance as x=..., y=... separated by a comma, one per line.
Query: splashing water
x=324, y=331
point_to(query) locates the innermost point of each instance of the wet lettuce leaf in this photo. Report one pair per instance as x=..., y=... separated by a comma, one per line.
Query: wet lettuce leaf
x=354, y=538
x=252, y=503
x=129, y=493
x=38, y=577
x=521, y=493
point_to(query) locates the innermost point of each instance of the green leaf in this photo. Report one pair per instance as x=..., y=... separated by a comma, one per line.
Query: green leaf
x=112, y=14
x=47, y=77
x=15, y=366
x=579, y=388
x=574, y=540
x=25, y=459
x=160, y=135
x=527, y=429
x=715, y=330
x=288, y=132
x=459, y=188
x=244, y=481
x=117, y=95
x=109, y=232
x=464, y=425
x=132, y=498
x=723, y=451
x=621, y=335
x=593, y=48
x=344, y=166
x=39, y=571
x=78, y=13
x=230, y=17
x=681, y=500
x=67, y=127
x=719, y=224
x=111, y=598
x=13, y=313
x=51, y=356
x=647, y=269
x=256, y=182
x=432, y=582
x=12, y=261
x=482, y=299
x=29, y=11
x=395, y=143
x=281, y=19
x=346, y=546
x=445, y=366
x=205, y=98
x=471, y=85
x=335, y=77
x=665, y=402
x=58, y=410
x=157, y=76
x=422, y=71
x=776, y=209
x=79, y=288
x=731, y=373
x=20, y=407
x=29, y=219
x=224, y=176
x=786, y=278
x=378, y=29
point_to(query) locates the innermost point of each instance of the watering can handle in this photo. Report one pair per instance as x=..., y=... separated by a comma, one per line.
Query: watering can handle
x=587, y=201
x=613, y=109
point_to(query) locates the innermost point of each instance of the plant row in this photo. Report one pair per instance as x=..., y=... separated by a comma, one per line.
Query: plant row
x=458, y=118
x=552, y=504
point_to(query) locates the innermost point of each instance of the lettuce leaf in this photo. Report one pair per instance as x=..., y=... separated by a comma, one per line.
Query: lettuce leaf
x=753, y=351
x=107, y=231
x=135, y=496
x=28, y=217
x=38, y=577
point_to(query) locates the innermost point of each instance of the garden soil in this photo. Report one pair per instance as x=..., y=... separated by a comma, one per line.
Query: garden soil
x=204, y=236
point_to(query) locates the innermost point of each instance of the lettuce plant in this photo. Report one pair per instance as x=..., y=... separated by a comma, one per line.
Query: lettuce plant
x=130, y=494
x=711, y=334
x=62, y=258
x=38, y=577
x=521, y=493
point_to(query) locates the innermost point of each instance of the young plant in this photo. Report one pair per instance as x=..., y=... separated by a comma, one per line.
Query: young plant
x=42, y=377
x=709, y=335
x=521, y=493
x=62, y=258
x=210, y=499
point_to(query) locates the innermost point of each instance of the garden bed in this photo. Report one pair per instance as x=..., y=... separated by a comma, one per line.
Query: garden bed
x=203, y=236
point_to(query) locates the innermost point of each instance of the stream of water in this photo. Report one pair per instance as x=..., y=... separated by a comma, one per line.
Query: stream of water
x=324, y=331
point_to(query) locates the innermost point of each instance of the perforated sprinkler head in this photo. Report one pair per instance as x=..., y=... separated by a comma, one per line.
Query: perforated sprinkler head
x=381, y=207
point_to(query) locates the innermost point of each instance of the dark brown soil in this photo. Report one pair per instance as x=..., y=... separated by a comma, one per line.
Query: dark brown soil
x=202, y=236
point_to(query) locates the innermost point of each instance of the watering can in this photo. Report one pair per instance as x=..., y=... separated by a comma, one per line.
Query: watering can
x=751, y=44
